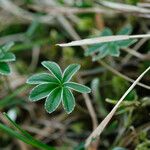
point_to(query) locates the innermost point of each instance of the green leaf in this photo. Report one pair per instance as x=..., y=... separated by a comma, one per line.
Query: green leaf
x=4, y=68
x=70, y=71
x=102, y=54
x=41, y=91
x=126, y=30
x=68, y=100
x=110, y=48
x=93, y=49
x=41, y=78
x=53, y=100
x=114, y=50
x=21, y=134
x=7, y=46
x=8, y=57
x=97, y=47
x=53, y=68
x=106, y=32
x=56, y=88
x=78, y=87
x=126, y=43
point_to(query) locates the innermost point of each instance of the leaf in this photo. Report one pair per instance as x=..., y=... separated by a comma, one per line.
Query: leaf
x=105, y=49
x=53, y=68
x=4, y=68
x=53, y=100
x=22, y=135
x=106, y=32
x=70, y=71
x=56, y=88
x=78, y=87
x=126, y=43
x=41, y=91
x=126, y=30
x=7, y=46
x=102, y=47
x=114, y=50
x=102, y=54
x=8, y=57
x=95, y=48
x=92, y=49
x=68, y=100
x=41, y=78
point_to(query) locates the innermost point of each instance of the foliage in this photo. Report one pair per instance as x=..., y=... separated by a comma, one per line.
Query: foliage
x=56, y=87
x=22, y=135
x=110, y=48
x=5, y=58
x=36, y=27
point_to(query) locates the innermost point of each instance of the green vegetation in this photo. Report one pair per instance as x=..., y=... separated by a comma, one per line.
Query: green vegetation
x=6, y=57
x=56, y=88
x=96, y=84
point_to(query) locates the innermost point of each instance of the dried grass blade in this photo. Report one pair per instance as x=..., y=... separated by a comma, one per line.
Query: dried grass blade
x=104, y=123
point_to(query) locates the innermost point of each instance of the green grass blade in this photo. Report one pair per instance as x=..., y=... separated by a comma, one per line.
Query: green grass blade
x=23, y=135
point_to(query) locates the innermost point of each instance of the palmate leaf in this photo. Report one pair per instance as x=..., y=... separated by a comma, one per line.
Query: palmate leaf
x=110, y=48
x=97, y=47
x=56, y=87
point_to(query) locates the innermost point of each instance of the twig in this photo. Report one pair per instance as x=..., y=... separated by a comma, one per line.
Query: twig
x=135, y=48
x=35, y=57
x=124, y=7
x=144, y=5
x=122, y=75
x=15, y=37
x=104, y=123
x=90, y=107
x=136, y=54
x=17, y=11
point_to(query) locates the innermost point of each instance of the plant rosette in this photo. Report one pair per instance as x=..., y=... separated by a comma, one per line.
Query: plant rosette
x=56, y=87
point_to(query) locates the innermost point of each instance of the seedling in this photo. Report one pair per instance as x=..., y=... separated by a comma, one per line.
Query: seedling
x=110, y=48
x=56, y=87
x=5, y=58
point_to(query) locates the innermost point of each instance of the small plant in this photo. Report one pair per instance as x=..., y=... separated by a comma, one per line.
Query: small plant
x=110, y=48
x=5, y=58
x=56, y=87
